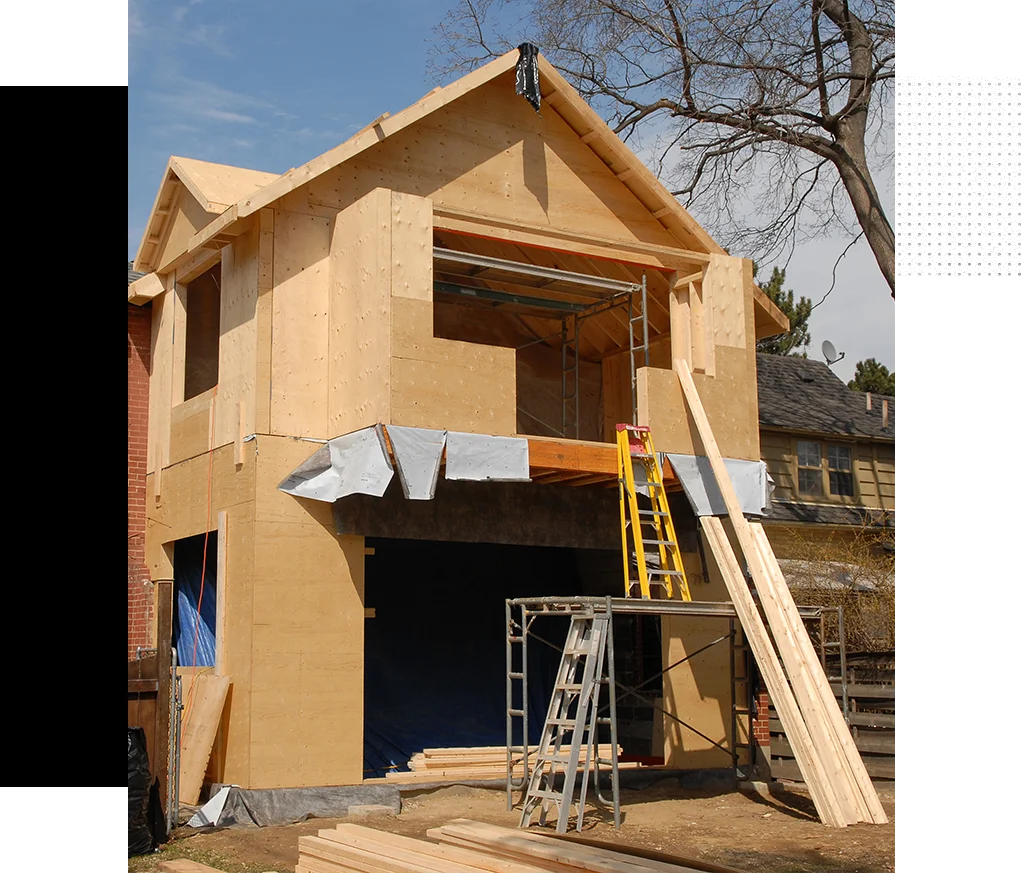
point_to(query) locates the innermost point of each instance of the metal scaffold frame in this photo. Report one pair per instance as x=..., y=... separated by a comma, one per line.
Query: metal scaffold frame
x=521, y=612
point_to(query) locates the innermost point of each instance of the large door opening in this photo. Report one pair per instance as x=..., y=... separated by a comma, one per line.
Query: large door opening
x=435, y=659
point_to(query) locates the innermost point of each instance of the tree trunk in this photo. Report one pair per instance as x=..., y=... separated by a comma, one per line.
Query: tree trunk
x=869, y=211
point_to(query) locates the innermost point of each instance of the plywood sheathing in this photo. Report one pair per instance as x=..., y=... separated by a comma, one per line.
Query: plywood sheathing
x=359, y=321
x=307, y=633
x=301, y=331
x=292, y=637
x=218, y=186
x=385, y=364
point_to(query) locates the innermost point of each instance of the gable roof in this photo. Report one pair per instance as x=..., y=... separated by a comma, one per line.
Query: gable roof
x=557, y=94
x=214, y=186
x=800, y=394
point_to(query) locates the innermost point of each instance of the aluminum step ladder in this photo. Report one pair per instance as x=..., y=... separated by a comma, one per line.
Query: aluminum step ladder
x=570, y=735
x=639, y=468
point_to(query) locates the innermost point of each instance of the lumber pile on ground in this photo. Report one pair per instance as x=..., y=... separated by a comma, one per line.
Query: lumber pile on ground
x=464, y=847
x=823, y=747
x=475, y=762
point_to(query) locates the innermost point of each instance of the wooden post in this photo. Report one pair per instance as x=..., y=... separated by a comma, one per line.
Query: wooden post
x=164, y=642
x=680, y=319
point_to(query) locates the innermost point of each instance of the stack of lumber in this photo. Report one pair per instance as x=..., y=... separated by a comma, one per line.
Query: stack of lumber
x=464, y=847
x=822, y=744
x=476, y=762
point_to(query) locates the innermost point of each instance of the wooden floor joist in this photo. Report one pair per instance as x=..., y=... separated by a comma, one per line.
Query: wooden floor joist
x=837, y=770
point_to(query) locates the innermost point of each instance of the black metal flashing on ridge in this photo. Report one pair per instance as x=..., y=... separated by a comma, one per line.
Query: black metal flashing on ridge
x=527, y=75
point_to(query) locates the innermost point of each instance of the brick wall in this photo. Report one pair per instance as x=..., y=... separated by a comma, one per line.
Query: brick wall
x=139, y=591
x=760, y=721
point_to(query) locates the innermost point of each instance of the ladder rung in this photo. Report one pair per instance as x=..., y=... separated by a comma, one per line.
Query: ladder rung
x=603, y=720
x=515, y=675
x=520, y=712
x=551, y=795
x=570, y=686
x=514, y=639
x=642, y=456
x=584, y=651
x=659, y=542
x=563, y=722
x=651, y=512
x=653, y=570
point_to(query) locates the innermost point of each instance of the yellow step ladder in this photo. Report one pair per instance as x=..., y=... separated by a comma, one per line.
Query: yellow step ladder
x=638, y=467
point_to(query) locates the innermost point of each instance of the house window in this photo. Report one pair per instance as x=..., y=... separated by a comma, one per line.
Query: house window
x=202, y=333
x=809, y=468
x=841, y=477
x=825, y=470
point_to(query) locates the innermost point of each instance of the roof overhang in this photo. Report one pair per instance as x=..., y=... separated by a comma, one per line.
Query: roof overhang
x=215, y=187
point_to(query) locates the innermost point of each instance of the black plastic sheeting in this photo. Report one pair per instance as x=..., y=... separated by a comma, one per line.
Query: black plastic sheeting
x=140, y=841
x=527, y=74
x=435, y=662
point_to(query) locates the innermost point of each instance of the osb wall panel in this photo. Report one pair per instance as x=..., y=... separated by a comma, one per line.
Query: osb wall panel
x=307, y=632
x=300, y=398
x=239, y=295
x=489, y=152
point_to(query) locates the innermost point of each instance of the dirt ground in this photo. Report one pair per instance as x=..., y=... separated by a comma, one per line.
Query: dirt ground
x=775, y=835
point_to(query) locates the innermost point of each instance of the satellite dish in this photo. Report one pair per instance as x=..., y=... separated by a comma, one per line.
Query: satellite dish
x=829, y=352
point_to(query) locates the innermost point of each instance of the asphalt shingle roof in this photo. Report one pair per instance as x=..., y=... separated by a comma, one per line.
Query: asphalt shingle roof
x=133, y=273
x=801, y=394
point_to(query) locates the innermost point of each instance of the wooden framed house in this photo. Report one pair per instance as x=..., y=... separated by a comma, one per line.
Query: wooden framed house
x=419, y=276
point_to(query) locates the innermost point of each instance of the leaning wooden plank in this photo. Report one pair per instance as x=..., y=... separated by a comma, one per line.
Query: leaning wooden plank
x=772, y=673
x=835, y=717
x=808, y=693
x=571, y=855
x=827, y=773
x=200, y=724
x=381, y=841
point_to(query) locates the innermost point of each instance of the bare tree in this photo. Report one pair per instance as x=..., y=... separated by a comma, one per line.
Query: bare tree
x=758, y=113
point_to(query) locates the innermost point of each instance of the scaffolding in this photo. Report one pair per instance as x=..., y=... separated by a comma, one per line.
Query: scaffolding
x=521, y=613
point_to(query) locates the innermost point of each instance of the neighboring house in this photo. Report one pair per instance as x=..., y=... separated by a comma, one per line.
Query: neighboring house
x=830, y=453
x=139, y=588
x=414, y=277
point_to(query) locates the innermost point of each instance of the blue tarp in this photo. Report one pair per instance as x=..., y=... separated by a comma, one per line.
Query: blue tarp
x=187, y=584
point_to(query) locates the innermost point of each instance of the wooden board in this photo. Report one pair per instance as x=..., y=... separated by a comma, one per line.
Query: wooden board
x=359, y=315
x=239, y=296
x=199, y=730
x=729, y=399
x=766, y=659
x=725, y=281
x=160, y=378
x=300, y=383
x=217, y=186
x=189, y=427
x=264, y=323
x=567, y=855
x=785, y=623
x=779, y=598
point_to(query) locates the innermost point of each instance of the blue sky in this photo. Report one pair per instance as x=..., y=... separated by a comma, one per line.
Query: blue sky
x=270, y=85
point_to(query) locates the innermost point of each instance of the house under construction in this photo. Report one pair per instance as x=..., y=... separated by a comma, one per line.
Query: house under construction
x=474, y=293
